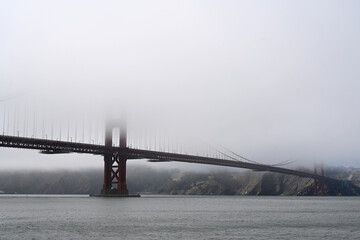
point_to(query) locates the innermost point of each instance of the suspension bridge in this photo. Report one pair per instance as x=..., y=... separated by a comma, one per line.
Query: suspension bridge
x=25, y=129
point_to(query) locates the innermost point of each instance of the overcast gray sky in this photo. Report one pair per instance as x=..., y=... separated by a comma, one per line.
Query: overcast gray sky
x=271, y=80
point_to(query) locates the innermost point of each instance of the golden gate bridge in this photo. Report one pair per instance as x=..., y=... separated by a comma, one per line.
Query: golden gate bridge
x=23, y=127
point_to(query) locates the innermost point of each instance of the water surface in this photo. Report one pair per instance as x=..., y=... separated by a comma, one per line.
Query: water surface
x=178, y=217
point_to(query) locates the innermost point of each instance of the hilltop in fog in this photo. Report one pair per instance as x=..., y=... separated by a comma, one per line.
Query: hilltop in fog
x=150, y=181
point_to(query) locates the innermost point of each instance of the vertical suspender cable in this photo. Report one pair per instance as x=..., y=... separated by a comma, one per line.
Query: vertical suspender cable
x=75, y=130
x=27, y=123
x=96, y=131
x=101, y=133
x=52, y=128
x=60, y=129
x=43, y=127
x=24, y=121
x=83, y=129
x=68, y=132
x=34, y=129
x=90, y=132
x=17, y=122
x=4, y=119
x=8, y=121
x=14, y=121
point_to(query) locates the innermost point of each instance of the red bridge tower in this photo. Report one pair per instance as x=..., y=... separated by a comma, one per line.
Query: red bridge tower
x=115, y=164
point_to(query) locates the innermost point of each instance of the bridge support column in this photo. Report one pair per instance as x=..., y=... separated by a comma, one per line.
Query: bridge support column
x=115, y=174
x=107, y=172
x=121, y=184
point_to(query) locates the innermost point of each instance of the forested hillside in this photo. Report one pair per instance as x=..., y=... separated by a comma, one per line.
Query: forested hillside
x=151, y=181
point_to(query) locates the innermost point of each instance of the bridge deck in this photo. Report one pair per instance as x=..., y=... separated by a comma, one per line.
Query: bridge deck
x=52, y=147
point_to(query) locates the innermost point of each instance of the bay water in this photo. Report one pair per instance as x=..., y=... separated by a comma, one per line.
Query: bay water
x=178, y=217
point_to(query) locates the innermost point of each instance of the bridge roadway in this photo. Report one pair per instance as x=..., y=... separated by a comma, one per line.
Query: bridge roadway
x=56, y=147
